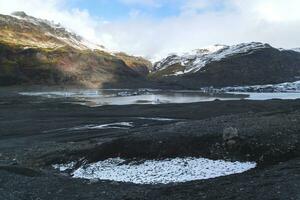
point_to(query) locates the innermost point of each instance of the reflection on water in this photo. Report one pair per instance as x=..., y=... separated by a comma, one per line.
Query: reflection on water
x=126, y=97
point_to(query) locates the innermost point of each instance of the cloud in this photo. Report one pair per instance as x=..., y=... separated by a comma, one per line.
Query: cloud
x=271, y=10
x=202, y=23
x=198, y=23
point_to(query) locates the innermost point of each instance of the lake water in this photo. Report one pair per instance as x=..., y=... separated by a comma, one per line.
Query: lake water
x=95, y=98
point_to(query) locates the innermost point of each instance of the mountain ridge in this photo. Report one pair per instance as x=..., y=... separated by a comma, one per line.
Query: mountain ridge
x=36, y=51
x=56, y=33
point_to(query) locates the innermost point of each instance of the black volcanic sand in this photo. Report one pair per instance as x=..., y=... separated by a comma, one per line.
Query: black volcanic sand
x=34, y=135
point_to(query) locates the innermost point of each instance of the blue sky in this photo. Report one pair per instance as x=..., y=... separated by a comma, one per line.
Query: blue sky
x=155, y=28
x=122, y=10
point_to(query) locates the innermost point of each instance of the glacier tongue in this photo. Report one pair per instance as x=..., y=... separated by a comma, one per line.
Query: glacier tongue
x=287, y=87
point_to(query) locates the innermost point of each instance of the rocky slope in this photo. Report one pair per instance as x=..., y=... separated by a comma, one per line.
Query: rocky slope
x=35, y=51
x=242, y=64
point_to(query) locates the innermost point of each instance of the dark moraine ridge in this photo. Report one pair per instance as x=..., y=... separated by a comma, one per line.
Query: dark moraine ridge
x=267, y=132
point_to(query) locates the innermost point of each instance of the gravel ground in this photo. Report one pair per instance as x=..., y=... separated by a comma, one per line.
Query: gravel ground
x=34, y=135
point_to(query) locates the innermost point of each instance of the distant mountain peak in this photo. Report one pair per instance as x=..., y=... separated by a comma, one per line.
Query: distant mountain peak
x=19, y=14
x=296, y=49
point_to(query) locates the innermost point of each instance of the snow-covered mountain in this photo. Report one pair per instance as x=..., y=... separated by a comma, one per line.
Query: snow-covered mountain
x=199, y=58
x=296, y=49
x=51, y=35
x=221, y=65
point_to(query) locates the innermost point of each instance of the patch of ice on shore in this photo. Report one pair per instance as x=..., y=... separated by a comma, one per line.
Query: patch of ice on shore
x=160, y=171
x=64, y=167
x=157, y=118
x=117, y=125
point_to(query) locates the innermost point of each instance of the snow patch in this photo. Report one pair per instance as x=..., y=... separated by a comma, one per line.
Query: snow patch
x=158, y=171
x=64, y=167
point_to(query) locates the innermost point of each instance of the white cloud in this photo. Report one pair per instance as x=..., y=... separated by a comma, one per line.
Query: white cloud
x=271, y=10
x=199, y=24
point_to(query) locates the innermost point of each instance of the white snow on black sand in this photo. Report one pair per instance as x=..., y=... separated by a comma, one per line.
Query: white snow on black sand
x=158, y=171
